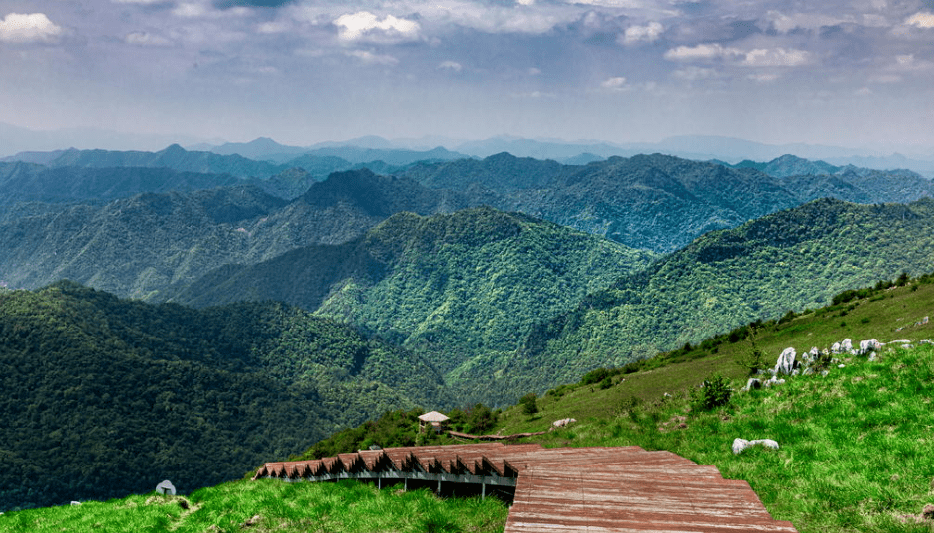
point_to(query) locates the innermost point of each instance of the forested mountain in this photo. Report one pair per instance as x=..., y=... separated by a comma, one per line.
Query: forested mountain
x=102, y=397
x=174, y=157
x=457, y=286
x=655, y=201
x=140, y=245
x=790, y=260
x=25, y=182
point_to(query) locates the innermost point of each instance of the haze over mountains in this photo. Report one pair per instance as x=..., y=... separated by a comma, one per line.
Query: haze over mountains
x=421, y=278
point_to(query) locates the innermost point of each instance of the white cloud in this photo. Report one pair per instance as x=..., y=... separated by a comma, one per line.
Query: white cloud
x=692, y=73
x=759, y=57
x=28, y=28
x=765, y=77
x=776, y=57
x=364, y=25
x=921, y=20
x=141, y=38
x=615, y=84
x=648, y=33
x=145, y=2
x=272, y=27
x=525, y=2
x=189, y=10
x=701, y=52
x=807, y=21
x=453, y=66
x=373, y=59
x=534, y=71
x=863, y=91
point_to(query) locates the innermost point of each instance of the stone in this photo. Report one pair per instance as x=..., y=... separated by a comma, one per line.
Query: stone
x=75, y=503
x=873, y=357
x=741, y=445
x=869, y=345
x=847, y=345
x=786, y=362
x=773, y=381
x=563, y=422
x=166, y=487
x=825, y=373
x=836, y=348
x=841, y=365
x=753, y=383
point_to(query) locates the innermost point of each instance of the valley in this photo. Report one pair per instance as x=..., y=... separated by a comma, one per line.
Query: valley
x=165, y=309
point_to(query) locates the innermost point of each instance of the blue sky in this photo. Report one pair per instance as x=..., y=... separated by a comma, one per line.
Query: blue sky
x=841, y=73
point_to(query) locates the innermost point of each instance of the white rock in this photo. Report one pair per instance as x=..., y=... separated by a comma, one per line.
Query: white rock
x=841, y=365
x=836, y=348
x=75, y=503
x=825, y=373
x=869, y=345
x=873, y=356
x=786, y=362
x=753, y=383
x=166, y=487
x=847, y=345
x=741, y=445
x=563, y=422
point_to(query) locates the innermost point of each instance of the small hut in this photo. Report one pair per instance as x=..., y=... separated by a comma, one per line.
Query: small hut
x=435, y=419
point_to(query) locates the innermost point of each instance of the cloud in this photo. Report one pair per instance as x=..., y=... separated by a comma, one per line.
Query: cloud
x=701, y=52
x=189, y=10
x=227, y=4
x=365, y=26
x=776, y=57
x=692, y=73
x=648, y=33
x=451, y=65
x=921, y=20
x=141, y=38
x=765, y=77
x=373, y=59
x=807, y=21
x=759, y=57
x=31, y=28
x=615, y=84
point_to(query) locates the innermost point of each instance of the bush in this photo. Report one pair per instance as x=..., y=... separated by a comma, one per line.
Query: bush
x=714, y=392
x=528, y=403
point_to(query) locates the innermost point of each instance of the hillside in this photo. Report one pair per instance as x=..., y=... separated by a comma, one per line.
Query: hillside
x=654, y=201
x=140, y=245
x=455, y=286
x=102, y=397
x=794, y=259
x=22, y=182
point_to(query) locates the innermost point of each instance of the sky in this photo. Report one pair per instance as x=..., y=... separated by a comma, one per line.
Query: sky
x=840, y=73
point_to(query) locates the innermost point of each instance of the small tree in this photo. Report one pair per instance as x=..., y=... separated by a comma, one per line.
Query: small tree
x=528, y=403
x=713, y=393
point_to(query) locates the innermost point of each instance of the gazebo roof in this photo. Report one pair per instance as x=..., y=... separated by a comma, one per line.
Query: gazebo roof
x=433, y=416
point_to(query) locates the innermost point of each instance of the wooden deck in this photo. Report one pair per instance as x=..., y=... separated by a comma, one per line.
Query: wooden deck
x=623, y=489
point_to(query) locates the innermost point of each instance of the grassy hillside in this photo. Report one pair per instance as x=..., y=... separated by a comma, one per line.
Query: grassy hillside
x=102, y=397
x=855, y=444
x=791, y=260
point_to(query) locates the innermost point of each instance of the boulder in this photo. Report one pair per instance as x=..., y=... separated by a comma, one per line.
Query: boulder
x=847, y=345
x=753, y=383
x=75, y=503
x=563, y=422
x=786, y=362
x=741, y=445
x=836, y=348
x=869, y=345
x=773, y=381
x=166, y=487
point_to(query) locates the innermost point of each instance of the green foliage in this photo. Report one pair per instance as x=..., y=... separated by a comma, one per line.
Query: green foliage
x=103, y=397
x=714, y=392
x=529, y=404
x=270, y=505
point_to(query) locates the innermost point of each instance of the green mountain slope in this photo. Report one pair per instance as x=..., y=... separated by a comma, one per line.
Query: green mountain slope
x=22, y=182
x=102, y=397
x=793, y=259
x=456, y=286
x=655, y=201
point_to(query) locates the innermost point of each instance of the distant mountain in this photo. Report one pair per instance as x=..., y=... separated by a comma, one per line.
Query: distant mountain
x=24, y=182
x=139, y=245
x=789, y=260
x=356, y=154
x=260, y=148
x=456, y=286
x=789, y=165
x=655, y=201
x=174, y=157
x=15, y=139
x=104, y=397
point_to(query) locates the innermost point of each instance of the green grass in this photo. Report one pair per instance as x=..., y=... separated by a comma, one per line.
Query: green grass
x=271, y=505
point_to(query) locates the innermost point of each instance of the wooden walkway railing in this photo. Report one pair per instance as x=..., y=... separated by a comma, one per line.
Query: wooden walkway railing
x=621, y=489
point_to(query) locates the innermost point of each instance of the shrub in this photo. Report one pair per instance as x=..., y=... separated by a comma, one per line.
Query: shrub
x=528, y=403
x=713, y=393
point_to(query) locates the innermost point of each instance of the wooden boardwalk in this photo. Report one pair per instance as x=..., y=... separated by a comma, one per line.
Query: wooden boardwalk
x=622, y=489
